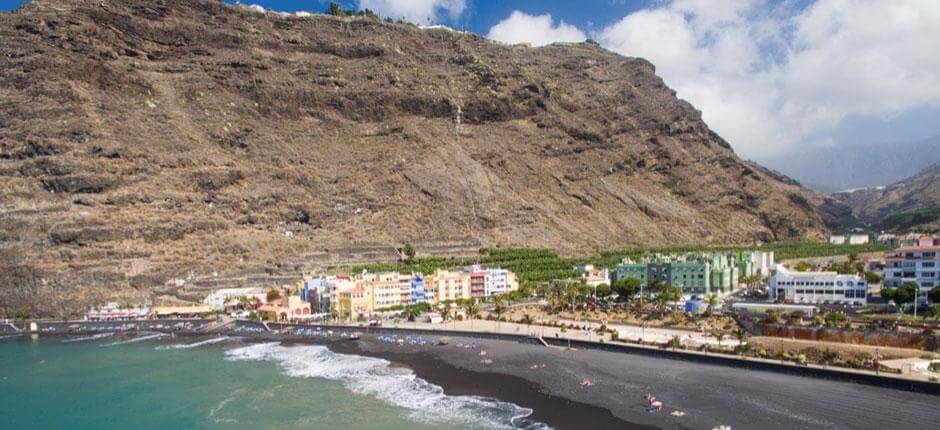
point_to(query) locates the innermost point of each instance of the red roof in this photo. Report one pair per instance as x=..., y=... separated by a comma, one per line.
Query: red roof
x=918, y=248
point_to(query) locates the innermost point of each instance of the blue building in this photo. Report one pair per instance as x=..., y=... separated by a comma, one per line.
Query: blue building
x=418, y=294
x=313, y=292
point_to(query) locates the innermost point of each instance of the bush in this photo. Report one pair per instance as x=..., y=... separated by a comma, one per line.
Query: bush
x=21, y=313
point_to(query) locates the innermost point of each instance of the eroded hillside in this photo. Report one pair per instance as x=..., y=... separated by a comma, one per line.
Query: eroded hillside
x=142, y=140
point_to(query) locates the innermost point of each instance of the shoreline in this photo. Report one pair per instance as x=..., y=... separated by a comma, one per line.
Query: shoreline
x=858, y=376
x=710, y=394
x=557, y=412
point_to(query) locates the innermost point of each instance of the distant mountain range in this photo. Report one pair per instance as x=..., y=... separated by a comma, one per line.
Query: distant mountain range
x=913, y=203
x=849, y=167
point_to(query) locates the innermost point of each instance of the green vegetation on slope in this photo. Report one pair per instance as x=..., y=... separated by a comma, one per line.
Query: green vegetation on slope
x=904, y=221
x=540, y=265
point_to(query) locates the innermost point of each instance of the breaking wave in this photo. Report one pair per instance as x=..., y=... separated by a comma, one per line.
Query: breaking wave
x=92, y=337
x=136, y=339
x=195, y=344
x=398, y=386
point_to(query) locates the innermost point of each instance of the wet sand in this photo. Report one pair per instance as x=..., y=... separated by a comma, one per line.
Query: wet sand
x=559, y=412
x=710, y=395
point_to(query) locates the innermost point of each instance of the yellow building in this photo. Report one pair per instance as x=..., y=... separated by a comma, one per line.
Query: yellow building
x=334, y=287
x=354, y=302
x=446, y=285
x=387, y=289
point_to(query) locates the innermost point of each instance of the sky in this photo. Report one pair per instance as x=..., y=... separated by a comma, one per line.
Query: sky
x=771, y=76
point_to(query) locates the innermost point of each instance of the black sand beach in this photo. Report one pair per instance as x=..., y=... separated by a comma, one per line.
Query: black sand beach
x=559, y=412
x=709, y=395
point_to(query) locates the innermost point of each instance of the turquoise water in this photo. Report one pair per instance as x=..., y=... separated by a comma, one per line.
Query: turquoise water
x=96, y=383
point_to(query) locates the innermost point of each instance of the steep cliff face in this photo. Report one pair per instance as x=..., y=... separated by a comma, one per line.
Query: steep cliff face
x=142, y=140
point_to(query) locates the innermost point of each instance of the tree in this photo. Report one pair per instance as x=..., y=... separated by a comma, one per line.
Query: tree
x=627, y=288
x=336, y=10
x=712, y=301
x=835, y=319
x=411, y=313
x=573, y=291
x=741, y=334
x=903, y=294
x=498, y=307
x=472, y=310
x=872, y=277
x=603, y=290
x=803, y=266
x=667, y=294
x=409, y=251
x=934, y=294
x=935, y=312
x=273, y=295
x=853, y=257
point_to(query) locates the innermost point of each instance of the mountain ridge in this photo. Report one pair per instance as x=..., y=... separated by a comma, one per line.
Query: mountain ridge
x=846, y=167
x=918, y=192
x=141, y=141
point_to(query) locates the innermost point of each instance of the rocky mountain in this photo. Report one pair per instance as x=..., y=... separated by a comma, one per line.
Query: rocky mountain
x=913, y=203
x=846, y=167
x=147, y=140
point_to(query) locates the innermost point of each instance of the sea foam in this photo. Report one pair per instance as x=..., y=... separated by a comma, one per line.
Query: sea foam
x=92, y=337
x=136, y=339
x=398, y=386
x=195, y=344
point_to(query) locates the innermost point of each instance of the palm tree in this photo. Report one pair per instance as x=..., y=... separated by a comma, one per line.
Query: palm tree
x=411, y=313
x=720, y=336
x=498, y=308
x=712, y=302
x=572, y=291
x=741, y=334
x=471, y=308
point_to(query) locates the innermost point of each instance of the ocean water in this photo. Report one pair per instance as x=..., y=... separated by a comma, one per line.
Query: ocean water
x=153, y=382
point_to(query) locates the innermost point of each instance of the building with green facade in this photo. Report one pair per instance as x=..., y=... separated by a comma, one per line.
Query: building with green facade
x=695, y=274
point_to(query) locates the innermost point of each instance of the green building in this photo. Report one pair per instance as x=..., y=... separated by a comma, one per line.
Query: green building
x=695, y=274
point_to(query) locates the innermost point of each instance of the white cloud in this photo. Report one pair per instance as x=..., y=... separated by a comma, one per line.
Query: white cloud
x=537, y=30
x=767, y=78
x=416, y=11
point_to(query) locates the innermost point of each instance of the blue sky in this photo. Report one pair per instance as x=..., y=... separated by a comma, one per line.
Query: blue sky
x=771, y=76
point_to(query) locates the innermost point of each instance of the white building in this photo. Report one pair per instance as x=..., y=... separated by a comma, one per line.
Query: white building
x=114, y=311
x=817, y=287
x=500, y=281
x=837, y=239
x=219, y=298
x=761, y=262
x=594, y=276
x=858, y=239
x=913, y=264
